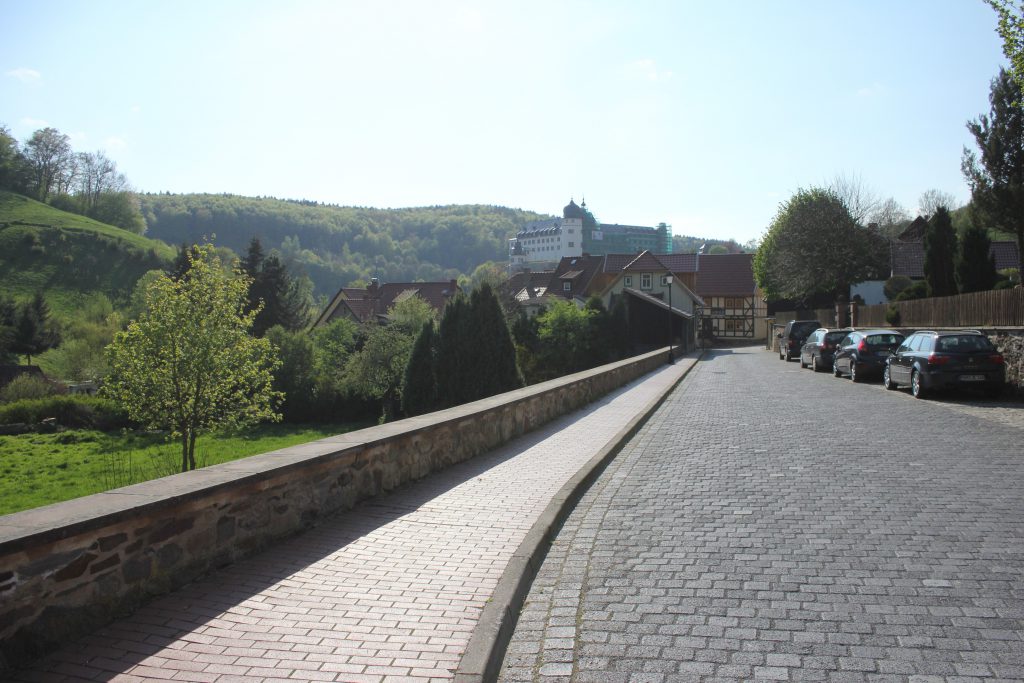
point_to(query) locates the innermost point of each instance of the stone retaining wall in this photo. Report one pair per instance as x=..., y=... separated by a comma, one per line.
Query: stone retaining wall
x=67, y=568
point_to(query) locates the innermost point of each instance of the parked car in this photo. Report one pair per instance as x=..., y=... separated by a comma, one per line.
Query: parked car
x=864, y=352
x=820, y=346
x=792, y=337
x=929, y=360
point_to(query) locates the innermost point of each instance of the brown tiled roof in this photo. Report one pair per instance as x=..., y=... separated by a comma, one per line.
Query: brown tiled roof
x=679, y=263
x=726, y=275
x=646, y=262
x=915, y=231
x=1006, y=254
x=585, y=268
x=375, y=300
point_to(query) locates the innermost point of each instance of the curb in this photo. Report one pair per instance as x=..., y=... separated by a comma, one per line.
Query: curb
x=486, y=649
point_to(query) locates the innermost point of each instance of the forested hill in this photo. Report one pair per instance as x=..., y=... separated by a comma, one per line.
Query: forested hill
x=335, y=245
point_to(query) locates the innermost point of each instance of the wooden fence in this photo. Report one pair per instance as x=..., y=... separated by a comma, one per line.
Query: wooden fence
x=998, y=308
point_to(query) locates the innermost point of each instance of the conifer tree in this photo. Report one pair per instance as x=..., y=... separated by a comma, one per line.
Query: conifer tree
x=493, y=356
x=975, y=265
x=419, y=387
x=940, y=246
x=34, y=330
x=453, y=351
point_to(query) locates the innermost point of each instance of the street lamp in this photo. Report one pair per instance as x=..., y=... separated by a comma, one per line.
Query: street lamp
x=671, y=357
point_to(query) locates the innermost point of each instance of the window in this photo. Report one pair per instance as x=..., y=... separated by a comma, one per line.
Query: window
x=572, y=244
x=566, y=286
x=645, y=280
x=627, y=281
x=733, y=302
x=730, y=325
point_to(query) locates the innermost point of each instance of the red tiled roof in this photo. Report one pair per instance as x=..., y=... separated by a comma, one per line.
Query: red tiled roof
x=375, y=300
x=908, y=257
x=726, y=275
x=679, y=263
x=646, y=262
x=1006, y=255
x=584, y=267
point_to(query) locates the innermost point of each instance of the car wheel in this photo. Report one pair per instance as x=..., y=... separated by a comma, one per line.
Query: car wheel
x=853, y=371
x=915, y=385
x=887, y=379
x=781, y=356
x=835, y=369
x=802, y=363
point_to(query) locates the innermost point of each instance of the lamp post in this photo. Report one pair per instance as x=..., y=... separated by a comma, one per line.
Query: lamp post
x=671, y=357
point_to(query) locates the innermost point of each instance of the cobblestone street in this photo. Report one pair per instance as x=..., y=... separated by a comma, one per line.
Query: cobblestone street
x=772, y=523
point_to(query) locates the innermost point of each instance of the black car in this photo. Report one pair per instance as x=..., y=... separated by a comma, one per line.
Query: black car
x=928, y=360
x=792, y=337
x=819, y=347
x=864, y=352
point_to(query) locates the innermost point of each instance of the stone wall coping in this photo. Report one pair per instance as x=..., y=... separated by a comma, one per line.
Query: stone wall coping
x=69, y=518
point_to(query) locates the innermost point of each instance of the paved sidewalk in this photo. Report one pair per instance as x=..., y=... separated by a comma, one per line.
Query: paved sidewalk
x=388, y=591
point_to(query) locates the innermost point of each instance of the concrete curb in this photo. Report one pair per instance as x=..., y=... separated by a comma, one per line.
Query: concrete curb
x=490, y=638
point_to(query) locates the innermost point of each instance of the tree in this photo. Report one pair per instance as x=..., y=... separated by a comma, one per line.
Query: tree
x=419, y=386
x=120, y=209
x=97, y=175
x=889, y=216
x=376, y=371
x=932, y=200
x=189, y=364
x=454, y=345
x=50, y=161
x=940, y=248
x=975, y=265
x=565, y=333
x=860, y=201
x=12, y=163
x=295, y=378
x=814, y=246
x=273, y=292
x=1011, y=30
x=34, y=329
x=996, y=178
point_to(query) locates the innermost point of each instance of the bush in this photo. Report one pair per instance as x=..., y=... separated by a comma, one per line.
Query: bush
x=27, y=386
x=892, y=316
x=918, y=290
x=895, y=285
x=80, y=412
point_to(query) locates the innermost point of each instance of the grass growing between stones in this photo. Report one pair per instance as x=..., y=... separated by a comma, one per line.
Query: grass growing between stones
x=39, y=469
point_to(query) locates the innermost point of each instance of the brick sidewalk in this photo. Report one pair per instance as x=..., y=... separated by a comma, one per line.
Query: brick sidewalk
x=389, y=591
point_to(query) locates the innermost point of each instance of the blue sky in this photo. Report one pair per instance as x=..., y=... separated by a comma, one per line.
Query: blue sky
x=705, y=115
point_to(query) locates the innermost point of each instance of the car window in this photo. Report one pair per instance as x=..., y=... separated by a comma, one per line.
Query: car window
x=803, y=329
x=848, y=340
x=833, y=337
x=923, y=343
x=908, y=344
x=966, y=343
x=884, y=339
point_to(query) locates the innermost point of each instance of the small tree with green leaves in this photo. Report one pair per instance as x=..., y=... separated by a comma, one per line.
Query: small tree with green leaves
x=189, y=364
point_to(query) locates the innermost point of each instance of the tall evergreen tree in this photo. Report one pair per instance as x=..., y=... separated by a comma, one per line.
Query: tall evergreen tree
x=493, y=357
x=940, y=248
x=975, y=265
x=454, y=348
x=182, y=261
x=34, y=330
x=282, y=299
x=419, y=387
x=997, y=177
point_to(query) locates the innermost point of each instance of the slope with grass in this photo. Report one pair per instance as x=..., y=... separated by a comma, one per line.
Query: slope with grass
x=68, y=257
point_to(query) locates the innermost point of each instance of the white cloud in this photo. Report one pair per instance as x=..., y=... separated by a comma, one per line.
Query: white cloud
x=114, y=143
x=25, y=74
x=872, y=90
x=646, y=70
x=35, y=123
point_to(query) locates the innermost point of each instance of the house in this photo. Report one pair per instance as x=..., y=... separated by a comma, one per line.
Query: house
x=528, y=290
x=733, y=306
x=658, y=302
x=584, y=276
x=373, y=302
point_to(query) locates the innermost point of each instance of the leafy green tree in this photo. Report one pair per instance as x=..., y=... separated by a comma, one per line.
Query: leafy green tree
x=34, y=330
x=49, y=160
x=295, y=378
x=81, y=356
x=377, y=369
x=12, y=163
x=120, y=209
x=1011, y=30
x=975, y=265
x=940, y=248
x=814, y=246
x=410, y=315
x=419, y=386
x=996, y=177
x=564, y=332
x=189, y=364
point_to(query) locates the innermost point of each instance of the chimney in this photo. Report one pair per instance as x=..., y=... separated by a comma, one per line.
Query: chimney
x=374, y=286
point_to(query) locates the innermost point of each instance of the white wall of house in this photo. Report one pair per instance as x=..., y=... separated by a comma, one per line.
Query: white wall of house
x=544, y=247
x=872, y=291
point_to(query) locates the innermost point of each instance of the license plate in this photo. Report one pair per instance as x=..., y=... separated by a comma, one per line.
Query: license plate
x=972, y=378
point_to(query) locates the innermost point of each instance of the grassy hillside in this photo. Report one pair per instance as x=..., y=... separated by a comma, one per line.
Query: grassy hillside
x=69, y=256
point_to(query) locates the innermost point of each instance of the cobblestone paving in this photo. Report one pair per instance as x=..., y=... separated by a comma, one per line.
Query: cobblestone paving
x=389, y=591
x=769, y=523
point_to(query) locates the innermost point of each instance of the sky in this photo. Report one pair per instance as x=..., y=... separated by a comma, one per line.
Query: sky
x=702, y=114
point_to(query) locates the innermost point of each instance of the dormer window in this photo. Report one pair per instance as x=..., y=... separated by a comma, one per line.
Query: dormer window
x=566, y=286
